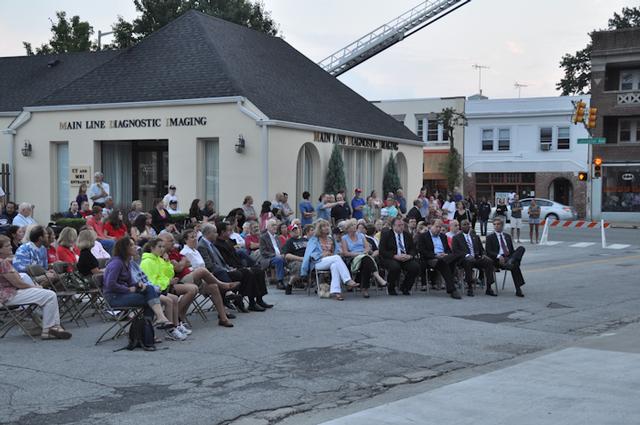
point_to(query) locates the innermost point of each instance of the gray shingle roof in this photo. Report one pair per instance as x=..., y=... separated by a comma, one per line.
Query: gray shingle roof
x=26, y=79
x=198, y=56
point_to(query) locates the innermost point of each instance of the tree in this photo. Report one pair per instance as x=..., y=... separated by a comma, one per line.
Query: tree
x=391, y=180
x=452, y=167
x=67, y=36
x=577, y=67
x=154, y=14
x=335, y=181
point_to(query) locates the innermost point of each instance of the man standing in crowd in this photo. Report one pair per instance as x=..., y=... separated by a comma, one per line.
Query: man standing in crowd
x=424, y=206
x=415, y=211
x=294, y=253
x=306, y=209
x=171, y=196
x=501, y=209
x=484, y=211
x=99, y=190
x=468, y=244
x=398, y=254
x=401, y=201
x=435, y=253
x=357, y=204
x=500, y=249
x=449, y=208
x=94, y=221
x=270, y=251
x=341, y=211
x=287, y=211
x=24, y=218
x=516, y=216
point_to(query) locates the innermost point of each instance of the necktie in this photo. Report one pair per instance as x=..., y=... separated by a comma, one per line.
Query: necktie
x=401, y=245
x=503, y=245
x=470, y=244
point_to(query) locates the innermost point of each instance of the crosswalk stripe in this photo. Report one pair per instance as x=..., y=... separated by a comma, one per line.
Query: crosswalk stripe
x=582, y=244
x=618, y=246
x=552, y=243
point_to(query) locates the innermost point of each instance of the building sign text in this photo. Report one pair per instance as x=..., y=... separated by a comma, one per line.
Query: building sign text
x=361, y=142
x=133, y=123
x=79, y=174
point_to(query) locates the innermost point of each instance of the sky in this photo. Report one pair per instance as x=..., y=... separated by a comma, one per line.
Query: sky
x=520, y=41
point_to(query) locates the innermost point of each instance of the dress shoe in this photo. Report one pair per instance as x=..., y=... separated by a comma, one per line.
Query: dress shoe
x=469, y=292
x=226, y=324
x=519, y=293
x=406, y=293
x=455, y=295
x=256, y=307
x=391, y=291
x=230, y=315
x=280, y=285
x=490, y=292
x=263, y=304
x=288, y=290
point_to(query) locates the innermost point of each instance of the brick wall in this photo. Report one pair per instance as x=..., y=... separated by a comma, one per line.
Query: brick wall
x=543, y=183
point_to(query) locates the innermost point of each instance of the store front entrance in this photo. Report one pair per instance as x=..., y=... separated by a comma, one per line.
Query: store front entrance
x=136, y=170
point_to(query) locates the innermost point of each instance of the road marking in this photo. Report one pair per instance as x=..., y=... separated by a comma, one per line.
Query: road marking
x=582, y=263
x=618, y=246
x=552, y=243
x=582, y=244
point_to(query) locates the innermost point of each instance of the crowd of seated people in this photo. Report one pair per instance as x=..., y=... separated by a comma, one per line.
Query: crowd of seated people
x=150, y=259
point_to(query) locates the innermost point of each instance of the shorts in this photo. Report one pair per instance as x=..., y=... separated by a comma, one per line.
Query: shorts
x=534, y=221
x=516, y=223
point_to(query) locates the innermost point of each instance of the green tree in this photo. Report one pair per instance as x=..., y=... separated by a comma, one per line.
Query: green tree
x=452, y=167
x=391, y=180
x=335, y=180
x=154, y=14
x=71, y=35
x=577, y=66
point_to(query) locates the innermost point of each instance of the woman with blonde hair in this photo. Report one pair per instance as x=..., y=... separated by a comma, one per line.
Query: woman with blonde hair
x=87, y=262
x=320, y=254
x=66, y=250
x=356, y=248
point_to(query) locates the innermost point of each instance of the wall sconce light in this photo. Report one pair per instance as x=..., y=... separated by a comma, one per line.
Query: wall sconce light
x=26, y=149
x=240, y=145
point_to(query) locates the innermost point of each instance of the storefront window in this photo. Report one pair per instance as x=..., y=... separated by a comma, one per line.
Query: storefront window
x=621, y=188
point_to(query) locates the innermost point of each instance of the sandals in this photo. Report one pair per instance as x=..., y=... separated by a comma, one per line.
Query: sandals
x=166, y=326
x=55, y=333
x=339, y=297
x=353, y=284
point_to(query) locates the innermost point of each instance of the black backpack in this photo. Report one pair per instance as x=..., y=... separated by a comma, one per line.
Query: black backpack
x=141, y=334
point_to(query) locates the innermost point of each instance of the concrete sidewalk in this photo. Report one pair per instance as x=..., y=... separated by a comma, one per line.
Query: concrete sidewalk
x=595, y=382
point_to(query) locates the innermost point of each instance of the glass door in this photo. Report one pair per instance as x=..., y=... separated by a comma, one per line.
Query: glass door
x=150, y=171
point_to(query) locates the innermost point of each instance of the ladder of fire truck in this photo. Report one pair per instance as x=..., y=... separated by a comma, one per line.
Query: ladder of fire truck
x=389, y=34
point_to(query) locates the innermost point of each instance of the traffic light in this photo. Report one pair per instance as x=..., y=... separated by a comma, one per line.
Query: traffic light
x=578, y=115
x=583, y=176
x=591, y=120
x=597, y=167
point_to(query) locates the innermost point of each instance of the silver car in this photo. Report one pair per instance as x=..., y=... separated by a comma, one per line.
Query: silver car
x=548, y=209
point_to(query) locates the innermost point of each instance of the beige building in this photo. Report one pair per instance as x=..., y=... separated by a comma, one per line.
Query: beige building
x=213, y=108
x=420, y=116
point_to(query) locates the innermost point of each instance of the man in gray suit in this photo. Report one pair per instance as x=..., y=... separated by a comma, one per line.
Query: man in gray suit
x=271, y=252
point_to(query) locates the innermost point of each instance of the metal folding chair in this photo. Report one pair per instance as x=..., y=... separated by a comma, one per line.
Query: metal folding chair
x=14, y=315
x=121, y=316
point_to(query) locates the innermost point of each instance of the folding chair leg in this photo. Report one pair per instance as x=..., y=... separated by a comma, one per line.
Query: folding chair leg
x=504, y=280
x=15, y=319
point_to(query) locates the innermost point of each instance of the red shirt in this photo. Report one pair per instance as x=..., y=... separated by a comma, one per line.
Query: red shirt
x=174, y=255
x=67, y=255
x=97, y=226
x=52, y=255
x=251, y=239
x=116, y=232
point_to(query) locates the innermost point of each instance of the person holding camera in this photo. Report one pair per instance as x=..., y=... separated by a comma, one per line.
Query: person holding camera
x=121, y=290
x=356, y=248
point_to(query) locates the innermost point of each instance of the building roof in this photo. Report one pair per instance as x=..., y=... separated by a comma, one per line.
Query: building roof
x=522, y=106
x=199, y=56
x=26, y=79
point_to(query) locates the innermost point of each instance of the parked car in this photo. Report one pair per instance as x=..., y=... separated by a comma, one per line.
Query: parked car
x=548, y=209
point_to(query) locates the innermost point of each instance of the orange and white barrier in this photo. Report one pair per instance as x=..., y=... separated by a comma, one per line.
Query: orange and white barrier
x=578, y=224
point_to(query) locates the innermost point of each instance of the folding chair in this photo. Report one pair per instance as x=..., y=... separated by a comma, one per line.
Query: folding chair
x=67, y=302
x=319, y=274
x=121, y=316
x=88, y=297
x=15, y=315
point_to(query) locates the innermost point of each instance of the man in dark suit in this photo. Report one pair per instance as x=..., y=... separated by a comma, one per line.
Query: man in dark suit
x=468, y=244
x=398, y=253
x=415, y=211
x=435, y=253
x=500, y=249
x=271, y=251
x=215, y=261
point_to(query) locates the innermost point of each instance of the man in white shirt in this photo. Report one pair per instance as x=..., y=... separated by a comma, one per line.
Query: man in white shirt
x=171, y=196
x=24, y=218
x=449, y=207
x=99, y=191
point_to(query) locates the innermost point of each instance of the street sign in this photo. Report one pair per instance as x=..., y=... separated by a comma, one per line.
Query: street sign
x=593, y=141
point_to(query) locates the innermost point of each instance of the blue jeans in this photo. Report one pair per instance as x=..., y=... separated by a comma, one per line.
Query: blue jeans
x=134, y=299
x=278, y=263
x=245, y=258
x=108, y=244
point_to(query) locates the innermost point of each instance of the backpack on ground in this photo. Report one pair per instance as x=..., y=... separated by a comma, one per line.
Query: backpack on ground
x=141, y=334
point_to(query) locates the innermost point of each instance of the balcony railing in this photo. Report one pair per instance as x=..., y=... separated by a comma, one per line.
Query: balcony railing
x=629, y=98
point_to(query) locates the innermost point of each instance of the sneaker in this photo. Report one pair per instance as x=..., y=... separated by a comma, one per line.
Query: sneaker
x=183, y=328
x=175, y=335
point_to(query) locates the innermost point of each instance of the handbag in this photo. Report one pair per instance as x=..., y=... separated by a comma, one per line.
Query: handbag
x=75, y=281
x=324, y=290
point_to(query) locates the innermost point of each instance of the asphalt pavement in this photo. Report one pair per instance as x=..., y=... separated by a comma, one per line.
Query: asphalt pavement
x=311, y=360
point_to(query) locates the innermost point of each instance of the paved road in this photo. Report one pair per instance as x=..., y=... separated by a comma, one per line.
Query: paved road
x=308, y=357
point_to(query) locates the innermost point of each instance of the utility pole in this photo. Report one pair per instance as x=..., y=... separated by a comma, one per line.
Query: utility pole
x=479, y=68
x=100, y=35
x=519, y=86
